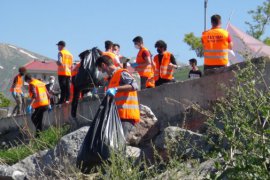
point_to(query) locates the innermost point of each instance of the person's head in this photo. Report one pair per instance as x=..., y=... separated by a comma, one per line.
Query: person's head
x=105, y=64
x=22, y=71
x=193, y=62
x=61, y=45
x=51, y=79
x=161, y=46
x=138, y=42
x=27, y=78
x=216, y=20
x=108, y=45
x=116, y=49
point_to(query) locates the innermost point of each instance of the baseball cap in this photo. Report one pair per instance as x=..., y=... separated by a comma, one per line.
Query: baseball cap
x=61, y=43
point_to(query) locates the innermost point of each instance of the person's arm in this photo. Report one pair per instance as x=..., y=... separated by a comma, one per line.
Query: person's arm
x=118, y=61
x=14, y=82
x=173, y=62
x=147, y=58
x=32, y=89
x=127, y=83
x=230, y=42
x=59, y=61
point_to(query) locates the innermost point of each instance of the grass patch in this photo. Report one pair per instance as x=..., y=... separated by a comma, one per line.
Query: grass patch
x=47, y=140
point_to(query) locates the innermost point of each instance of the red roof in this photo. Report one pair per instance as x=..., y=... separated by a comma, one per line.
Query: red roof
x=39, y=65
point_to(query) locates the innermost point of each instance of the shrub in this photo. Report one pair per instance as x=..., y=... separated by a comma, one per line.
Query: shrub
x=239, y=127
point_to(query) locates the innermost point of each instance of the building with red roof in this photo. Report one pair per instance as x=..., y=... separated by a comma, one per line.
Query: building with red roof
x=41, y=69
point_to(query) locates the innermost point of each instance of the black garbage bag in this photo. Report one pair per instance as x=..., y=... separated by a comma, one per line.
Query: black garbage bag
x=88, y=75
x=104, y=136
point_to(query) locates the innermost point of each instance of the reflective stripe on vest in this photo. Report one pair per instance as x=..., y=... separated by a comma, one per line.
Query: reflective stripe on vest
x=216, y=47
x=112, y=56
x=67, y=60
x=163, y=70
x=143, y=70
x=18, y=86
x=42, y=98
x=127, y=102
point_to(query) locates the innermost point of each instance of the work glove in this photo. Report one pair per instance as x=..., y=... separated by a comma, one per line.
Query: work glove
x=50, y=108
x=111, y=91
x=94, y=91
x=14, y=94
x=134, y=65
x=29, y=109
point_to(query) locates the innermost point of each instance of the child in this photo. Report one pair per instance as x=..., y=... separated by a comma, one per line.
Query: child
x=194, y=73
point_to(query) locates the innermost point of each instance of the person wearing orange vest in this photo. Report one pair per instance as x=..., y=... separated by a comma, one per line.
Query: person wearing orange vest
x=65, y=61
x=165, y=64
x=144, y=64
x=16, y=91
x=124, y=88
x=109, y=52
x=216, y=44
x=39, y=101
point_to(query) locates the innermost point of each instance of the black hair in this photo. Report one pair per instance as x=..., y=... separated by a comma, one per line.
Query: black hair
x=27, y=77
x=193, y=60
x=22, y=70
x=215, y=19
x=161, y=44
x=138, y=39
x=116, y=45
x=108, y=44
x=104, y=59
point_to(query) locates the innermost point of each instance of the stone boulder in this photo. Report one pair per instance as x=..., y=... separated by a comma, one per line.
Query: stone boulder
x=9, y=173
x=57, y=162
x=185, y=142
x=146, y=129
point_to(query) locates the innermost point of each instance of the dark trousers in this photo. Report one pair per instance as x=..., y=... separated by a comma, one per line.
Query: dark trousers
x=161, y=81
x=211, y=69
x=37, y=117
x=143, y=82
x=64, y=83
x=75, y=100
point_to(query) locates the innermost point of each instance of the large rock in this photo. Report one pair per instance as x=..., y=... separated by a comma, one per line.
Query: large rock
x=146, y=130
x=185, y=142
x=57, y=162
x=9, y=173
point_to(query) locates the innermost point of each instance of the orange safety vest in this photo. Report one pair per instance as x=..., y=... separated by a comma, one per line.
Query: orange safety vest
x=18, y=86
x=42, y=98
x=216, y=47
x=164, y=70
x=67, y=61
x=144, y=71
x=127, y=102
x=150, y=83
x=112, y=56
x=75, y=70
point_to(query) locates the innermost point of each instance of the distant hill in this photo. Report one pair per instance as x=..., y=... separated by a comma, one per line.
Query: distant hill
x=11, y=58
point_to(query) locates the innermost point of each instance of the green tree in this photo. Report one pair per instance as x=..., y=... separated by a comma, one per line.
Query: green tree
x=195, y=43
x=260, y=21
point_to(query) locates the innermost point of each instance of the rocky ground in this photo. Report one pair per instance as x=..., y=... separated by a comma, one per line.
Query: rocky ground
x=59, y=163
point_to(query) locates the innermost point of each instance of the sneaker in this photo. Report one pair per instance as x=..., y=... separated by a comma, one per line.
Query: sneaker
x=67, y=102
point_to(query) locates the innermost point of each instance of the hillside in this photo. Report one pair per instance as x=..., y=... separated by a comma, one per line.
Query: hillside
x=12, y=57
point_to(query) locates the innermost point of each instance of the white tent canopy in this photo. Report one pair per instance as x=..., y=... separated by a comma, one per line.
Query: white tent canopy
x=244, y=44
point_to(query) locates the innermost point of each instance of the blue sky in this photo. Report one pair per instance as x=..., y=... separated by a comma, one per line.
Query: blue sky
x=39, y=25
